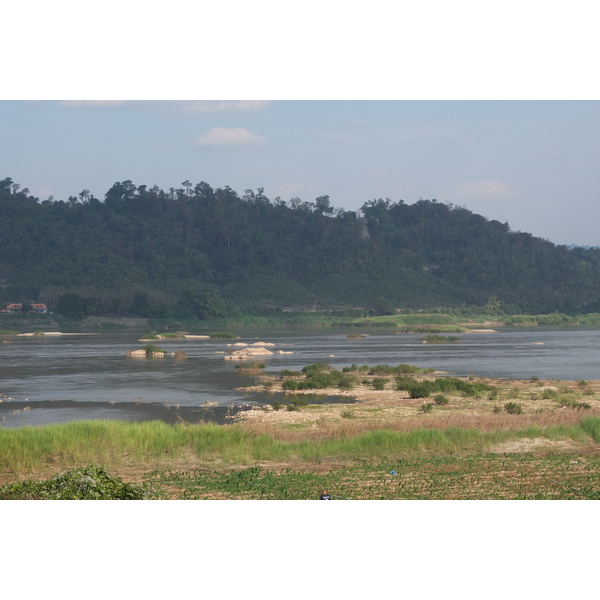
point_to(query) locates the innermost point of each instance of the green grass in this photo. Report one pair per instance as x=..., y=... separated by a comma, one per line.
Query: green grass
x=114, y=443
x=481, y=477
x=431, y=463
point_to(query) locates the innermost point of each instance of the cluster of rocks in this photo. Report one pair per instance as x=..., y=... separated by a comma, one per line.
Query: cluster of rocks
x=143, y=353
x=251, y=351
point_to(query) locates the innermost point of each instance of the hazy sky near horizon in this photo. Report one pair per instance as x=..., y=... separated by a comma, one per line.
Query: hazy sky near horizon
x=534, y=164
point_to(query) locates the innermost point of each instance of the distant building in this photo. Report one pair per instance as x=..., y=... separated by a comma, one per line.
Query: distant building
x=16, y=308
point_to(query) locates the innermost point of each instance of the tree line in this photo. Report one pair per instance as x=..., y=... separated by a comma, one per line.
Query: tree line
x=200, y=252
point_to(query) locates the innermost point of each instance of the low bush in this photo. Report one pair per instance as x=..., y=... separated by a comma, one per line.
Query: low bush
x=571, y=401
x=224, y=335
x=250, y=366
x=378, y=383
x=152, y=349
x=440, y=339
x=87, y=483
x=513, y=408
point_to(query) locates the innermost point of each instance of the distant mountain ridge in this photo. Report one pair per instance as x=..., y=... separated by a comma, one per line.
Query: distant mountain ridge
x=202, y=252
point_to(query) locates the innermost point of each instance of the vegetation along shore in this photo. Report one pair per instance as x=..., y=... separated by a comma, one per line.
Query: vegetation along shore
x=409, y=434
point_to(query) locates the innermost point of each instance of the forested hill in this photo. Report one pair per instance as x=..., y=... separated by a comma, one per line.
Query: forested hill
x=203, y=252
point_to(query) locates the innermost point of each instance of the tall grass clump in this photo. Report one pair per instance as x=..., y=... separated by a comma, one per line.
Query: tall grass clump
x=591, y=426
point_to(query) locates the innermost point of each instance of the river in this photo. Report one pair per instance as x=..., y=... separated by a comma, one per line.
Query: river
x=56, y=379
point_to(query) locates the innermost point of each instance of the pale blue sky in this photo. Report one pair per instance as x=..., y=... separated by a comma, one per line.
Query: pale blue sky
x=525, y=150
x=534, y=164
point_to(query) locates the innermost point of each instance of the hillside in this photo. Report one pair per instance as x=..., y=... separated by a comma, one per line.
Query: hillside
x=200, y=252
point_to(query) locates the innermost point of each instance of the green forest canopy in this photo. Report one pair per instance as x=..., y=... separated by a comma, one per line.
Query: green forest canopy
x=200, y=252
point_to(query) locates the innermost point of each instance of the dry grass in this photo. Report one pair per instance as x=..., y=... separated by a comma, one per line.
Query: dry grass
x=332, y=427
x=395, y=410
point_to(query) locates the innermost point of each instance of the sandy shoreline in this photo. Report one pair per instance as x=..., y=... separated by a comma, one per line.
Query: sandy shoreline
x=51, y=333
x=380, y=407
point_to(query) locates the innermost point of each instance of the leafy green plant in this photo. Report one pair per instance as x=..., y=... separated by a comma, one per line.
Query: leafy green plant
x=224, y=335
x=378, y=383
x=277, y=405
x=569, y=401
x=250, y=366
x=87, y=483
x=513, y=408
x=440, y=399
x=440, y=339
x=426, y=407
x=151, y=349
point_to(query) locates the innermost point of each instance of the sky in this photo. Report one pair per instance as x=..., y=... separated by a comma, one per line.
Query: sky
x=533, y=164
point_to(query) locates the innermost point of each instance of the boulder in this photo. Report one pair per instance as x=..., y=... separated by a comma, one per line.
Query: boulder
x=247, y=353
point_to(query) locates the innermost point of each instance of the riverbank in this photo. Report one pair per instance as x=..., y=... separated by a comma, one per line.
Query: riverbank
x=401, y=322
x=554, y=418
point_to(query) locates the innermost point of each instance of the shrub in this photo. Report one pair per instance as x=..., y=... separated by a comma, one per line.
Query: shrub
x=548, y=394
x=378, y=383
x=406, y=369
x=404, y=383
x=571, y=402
x=224, y=335
x=87, y=483
x=277, y=405
x=420, y=390
x=152, y=349
x=288, y=373
x=315, y=368
x=290, y=384
x=299, y=401
x=440, y=399
x=426, y=407
x=513, y=408
x=250, y=366
x=440, y=339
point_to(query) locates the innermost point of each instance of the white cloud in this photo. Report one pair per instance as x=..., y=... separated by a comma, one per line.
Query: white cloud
x=223, y=136
x=91, y=103
x=486, y=189
x=212, y=106
x=285, y=189
x=192, y=107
